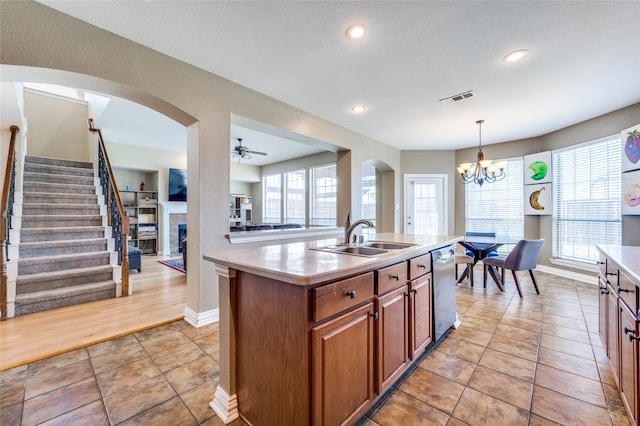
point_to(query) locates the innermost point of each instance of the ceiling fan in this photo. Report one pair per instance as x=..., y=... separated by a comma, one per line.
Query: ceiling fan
x=243, y=152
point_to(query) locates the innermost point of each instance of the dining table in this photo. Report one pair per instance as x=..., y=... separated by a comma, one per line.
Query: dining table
x=481, y=247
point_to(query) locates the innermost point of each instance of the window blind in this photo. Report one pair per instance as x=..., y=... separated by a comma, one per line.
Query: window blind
x=323, y=201
x=587, y=199
x=498, y=207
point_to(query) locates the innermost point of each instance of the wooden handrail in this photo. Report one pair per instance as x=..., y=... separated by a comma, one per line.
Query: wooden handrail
x=4, y=209
x=123, y=213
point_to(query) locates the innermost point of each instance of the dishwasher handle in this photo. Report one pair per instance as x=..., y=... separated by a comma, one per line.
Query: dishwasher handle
x=443, y=255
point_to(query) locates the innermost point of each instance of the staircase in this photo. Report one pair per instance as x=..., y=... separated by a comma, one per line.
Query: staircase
x=64, y=257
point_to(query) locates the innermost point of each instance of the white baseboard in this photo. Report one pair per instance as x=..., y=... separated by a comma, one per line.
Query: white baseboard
x=225, y=406
x=588, y=279
x=198, y=319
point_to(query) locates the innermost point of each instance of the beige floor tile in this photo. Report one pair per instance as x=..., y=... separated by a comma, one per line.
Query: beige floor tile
x=192, y=374
x=595, y=340
x=579, y=387
x=431, y=388
x=525, y=313
x=476, y=408
x=456, y=422
x=12, y=383
x=566, y=410
x=448, y=366
x=55, y=362
x=572, y=347
x=606, y=376
x=614, y=400
x=11, y=414
x=505, y=363
x=195, y=333
x=502, y=386
x=130, y=374
x=471, y=335
x=135, y=399
x=59, y=401
x=210, y=343
x=112, y=345
x=91, y=414
x=514, y=347
x=536, y=420
x=175, y=356
x=197, y=400
x=515, y=321
x=565, y=333
x=488, y=325
x=49, y=379
x=171, y=412
x=575, y=312
x=578, y=324
x=570, y=363
x=403, y=409
x=462, y=349
x=119, y=356
x=516, y=333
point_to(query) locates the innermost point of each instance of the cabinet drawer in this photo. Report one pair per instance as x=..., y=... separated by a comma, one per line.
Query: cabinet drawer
x=628, y=291
x=391, y=277
x=333, y=298
x=419, y=266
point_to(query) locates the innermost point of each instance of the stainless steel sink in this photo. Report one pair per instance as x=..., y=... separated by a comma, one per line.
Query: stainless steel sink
x=359, y=250
x=387, y=245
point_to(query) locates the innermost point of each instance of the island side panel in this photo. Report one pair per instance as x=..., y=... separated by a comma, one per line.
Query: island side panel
x=273, y=379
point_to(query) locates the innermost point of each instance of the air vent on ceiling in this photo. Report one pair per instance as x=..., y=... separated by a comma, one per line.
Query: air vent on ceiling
x=458, y=97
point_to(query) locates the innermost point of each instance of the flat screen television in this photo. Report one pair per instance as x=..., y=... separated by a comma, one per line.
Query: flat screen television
x=177, y=185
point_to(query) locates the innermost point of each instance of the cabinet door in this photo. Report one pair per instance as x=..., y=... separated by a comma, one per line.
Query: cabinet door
x=342, y=376
x=612, y=334
x=603, y=312
x=628, y=361
x=420, y=315
x=392, y=329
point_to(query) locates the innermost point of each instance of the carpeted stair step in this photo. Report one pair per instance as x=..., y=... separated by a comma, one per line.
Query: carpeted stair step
x=62, y=262
x=58, y=178
x=48, y=198
x=58, y=188
x=52, y=248
x=58, y=298
x=57, y=170
x=60, y=221
x=32, y=159
x=30, y=209
x=57, y=234
x=59, y=279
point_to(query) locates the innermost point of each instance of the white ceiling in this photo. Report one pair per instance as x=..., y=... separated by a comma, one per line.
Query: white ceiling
x=584, y=60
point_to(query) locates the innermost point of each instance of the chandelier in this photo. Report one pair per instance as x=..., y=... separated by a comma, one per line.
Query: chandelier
x=482, y=170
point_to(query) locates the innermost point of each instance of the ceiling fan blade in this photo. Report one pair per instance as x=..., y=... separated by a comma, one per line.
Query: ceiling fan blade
x=257, y=152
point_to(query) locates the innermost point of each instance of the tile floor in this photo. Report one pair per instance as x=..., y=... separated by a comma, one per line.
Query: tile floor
x=535, y=361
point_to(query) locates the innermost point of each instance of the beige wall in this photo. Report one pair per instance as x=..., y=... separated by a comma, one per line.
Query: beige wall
x=42, y=45
x=58, y=126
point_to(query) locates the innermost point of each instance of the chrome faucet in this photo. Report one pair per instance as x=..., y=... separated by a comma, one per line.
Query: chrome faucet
x=349, y=227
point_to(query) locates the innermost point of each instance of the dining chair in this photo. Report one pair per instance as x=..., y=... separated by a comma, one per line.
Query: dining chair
x=523, y=257
x=463, y=259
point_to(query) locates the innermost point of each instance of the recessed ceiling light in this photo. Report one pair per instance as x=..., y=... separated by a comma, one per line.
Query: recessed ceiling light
x=358, y=109
x=356, y=31
x=516, y=55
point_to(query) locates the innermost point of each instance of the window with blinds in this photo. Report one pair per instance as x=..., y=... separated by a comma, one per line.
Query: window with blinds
x=324, y=195
x=369, y=192
x=586, y=199
x=295, y=197
x=272, y=212
x=498, y=207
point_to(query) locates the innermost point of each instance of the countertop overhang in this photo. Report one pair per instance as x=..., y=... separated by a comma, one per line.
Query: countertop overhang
x=626, y=257
x=297, y=263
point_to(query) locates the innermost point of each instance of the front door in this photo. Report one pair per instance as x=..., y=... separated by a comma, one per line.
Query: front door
x=425, y=204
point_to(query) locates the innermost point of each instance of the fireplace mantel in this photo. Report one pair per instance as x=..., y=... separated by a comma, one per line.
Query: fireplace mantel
x=167, y=208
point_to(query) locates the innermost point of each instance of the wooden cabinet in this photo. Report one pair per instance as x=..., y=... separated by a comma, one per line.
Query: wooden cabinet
x=629, y=361
x=619, y=330
x=342, y=371
x=392, y=336
x=142, y=208
x=420, y=315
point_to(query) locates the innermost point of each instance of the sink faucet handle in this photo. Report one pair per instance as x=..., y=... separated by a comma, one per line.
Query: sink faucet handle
x=354, y=238
x=347, y=223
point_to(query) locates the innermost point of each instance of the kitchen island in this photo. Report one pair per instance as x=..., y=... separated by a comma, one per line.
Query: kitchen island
x=309, y=336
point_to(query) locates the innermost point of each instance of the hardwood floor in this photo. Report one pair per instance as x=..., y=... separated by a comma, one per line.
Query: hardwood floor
x=159, y=296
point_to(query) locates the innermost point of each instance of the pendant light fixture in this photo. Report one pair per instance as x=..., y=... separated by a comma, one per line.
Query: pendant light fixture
x=482, y=170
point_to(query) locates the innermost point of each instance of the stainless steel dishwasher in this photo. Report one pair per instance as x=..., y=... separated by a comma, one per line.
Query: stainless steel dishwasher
x=444, y=290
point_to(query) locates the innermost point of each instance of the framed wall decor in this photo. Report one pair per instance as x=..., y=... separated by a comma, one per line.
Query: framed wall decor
x=631, y=193
x=537, y=168
x=537, y=199
x=631, y=148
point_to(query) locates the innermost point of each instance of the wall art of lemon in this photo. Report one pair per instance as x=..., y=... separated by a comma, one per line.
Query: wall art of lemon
x=539, y=170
